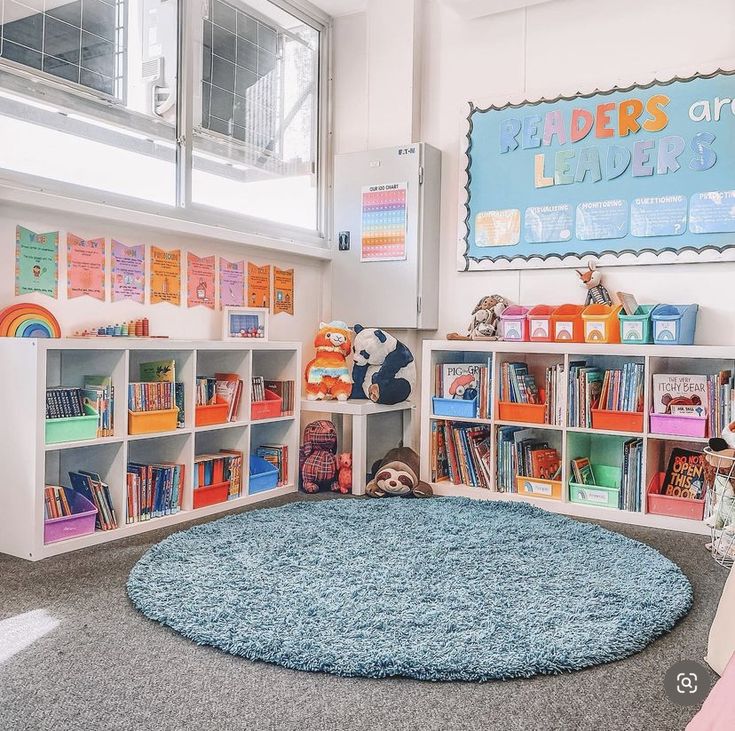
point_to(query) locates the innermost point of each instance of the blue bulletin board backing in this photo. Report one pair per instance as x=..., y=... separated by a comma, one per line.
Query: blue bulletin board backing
x=640, y=174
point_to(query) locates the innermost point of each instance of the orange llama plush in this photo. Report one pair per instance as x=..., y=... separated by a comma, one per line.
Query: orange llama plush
x=327, y=375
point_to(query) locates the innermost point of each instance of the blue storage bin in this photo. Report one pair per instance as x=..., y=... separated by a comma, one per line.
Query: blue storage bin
x=674, y=324
x=263, y=475
x=455, y=407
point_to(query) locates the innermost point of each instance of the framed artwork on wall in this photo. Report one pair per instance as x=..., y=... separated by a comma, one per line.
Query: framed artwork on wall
x=245, y=322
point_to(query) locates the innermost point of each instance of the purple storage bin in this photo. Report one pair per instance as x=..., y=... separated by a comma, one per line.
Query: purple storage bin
x=678, y=426
x=80, y=523
x=514, y=324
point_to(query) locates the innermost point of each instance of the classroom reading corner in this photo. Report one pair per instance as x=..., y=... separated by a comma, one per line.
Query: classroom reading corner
x=369, y=365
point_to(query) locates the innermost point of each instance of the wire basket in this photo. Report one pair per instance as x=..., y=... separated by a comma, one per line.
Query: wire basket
x=720, y=505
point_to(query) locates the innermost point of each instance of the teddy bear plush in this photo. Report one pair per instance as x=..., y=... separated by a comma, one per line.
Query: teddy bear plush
x=328, y=375
x=383, y=368
x=397, y=475
x=317, y=457
x=344, y=478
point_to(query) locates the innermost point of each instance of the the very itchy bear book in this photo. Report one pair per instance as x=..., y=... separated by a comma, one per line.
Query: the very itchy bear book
x=680, y=395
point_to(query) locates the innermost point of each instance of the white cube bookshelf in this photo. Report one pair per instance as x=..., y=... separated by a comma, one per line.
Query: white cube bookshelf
x=656, y=359
x=28, y=367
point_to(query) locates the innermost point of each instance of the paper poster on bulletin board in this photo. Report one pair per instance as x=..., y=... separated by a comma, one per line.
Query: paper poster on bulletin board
x=259, y=286
x=384, y=222
x=644, y=174
x=282, y=291
x=36, y=262
x=85, y=267
x=165, y=276
x=200, y=281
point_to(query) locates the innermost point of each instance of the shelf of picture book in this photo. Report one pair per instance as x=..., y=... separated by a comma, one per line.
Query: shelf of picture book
x=153, y=490
x=462, y=389
x=217, y=399
x=528, y=463
x=156, y=403
x=86, y=506
x=217, y=477
x=680, y=490
x=271, y=399
x=80, y=413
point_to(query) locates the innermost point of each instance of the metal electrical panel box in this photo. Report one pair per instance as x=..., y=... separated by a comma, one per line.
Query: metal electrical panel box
x=390, y=196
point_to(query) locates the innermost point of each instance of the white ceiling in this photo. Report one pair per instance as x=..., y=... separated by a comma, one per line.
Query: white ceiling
x=340, y=7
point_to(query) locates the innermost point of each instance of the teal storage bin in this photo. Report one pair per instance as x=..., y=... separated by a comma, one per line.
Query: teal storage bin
x=605, y=493
x=674, y=324
x=635, y=329
x=455, y=407
x=71, y=429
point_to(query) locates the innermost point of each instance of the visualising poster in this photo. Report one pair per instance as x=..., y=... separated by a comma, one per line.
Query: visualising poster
x=165, y=276
x=36, y=262
x=259, y=286
x=85, y=267
x=283, y=291
x=231, y=283
x=128, y=272
x=200, y=281
x=384, y=222
x=646, y=170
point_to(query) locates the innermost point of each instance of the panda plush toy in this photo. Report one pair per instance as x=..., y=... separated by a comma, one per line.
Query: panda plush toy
x=383, y=368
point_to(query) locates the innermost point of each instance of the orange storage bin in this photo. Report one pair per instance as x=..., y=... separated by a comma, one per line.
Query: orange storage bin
x=206, y=415
x=678, y=507
x=601, y=324
x=211, y=494
x=271, y=408
x=147, y=422
x=525, y=413
x=536, y=487
x=539, y=323
x=629, y=421
x=567, y=325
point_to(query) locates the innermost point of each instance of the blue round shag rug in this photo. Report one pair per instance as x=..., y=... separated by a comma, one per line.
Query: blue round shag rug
x=437, y=589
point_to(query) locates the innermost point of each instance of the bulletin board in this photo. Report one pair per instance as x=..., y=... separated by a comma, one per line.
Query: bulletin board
x=640, y=174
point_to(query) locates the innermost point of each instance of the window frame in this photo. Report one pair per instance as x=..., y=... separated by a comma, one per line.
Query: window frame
x=44, y=89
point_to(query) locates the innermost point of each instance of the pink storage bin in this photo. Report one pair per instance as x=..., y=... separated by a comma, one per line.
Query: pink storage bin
x=80, y=523
x=676, y=507
x=514, y=323
x=678, y=426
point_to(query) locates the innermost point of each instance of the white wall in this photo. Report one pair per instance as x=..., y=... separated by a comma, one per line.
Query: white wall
x=559, y=45
x=165, y=319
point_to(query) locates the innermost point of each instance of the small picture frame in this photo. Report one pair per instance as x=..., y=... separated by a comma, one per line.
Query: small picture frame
x=242, y=323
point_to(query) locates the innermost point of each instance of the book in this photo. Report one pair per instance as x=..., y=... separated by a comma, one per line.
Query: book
x=277, y=455
x=582, y=471
x=64, y=403
x=461, y=453
x=678, y=390
x=153, y=490
x=99, y=397
x=92, y=487
x=684, y=474
x=158, y=370
x=630, y=305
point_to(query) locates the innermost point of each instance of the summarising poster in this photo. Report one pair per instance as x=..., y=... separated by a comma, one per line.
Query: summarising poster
x=231, y=283
x=128, y=272
x=36, y=262
x=647, y=170
x=259, y=286
x=384, y=222
x=85, y=267
x=200, y=281
x=282, y=291
x=165, y=276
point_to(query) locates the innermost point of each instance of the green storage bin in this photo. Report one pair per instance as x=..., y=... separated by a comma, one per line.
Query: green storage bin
x=636, y=329
x=605, y=493
x=71, y=429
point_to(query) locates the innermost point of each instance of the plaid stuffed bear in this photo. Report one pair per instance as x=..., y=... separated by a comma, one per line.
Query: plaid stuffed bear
x=317, y=457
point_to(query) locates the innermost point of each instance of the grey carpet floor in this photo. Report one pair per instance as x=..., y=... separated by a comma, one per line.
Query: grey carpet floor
x=107, y=667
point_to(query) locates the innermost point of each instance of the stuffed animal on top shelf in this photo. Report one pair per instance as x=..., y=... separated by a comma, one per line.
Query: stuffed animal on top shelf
x=484, y=320
x=327, y=375
x=383, y=368
x=592, y=281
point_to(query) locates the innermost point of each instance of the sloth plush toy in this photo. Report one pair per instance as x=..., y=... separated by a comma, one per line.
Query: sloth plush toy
x=397, y=475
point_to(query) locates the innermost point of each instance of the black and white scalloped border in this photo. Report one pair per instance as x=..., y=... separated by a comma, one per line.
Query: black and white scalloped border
x=686, y=255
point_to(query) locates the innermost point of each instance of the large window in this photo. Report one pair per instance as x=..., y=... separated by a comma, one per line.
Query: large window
x=89, y=92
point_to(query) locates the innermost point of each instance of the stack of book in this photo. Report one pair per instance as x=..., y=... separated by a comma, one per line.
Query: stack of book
x=214, y=469
x=55, y=504
x=517, y=385
x=64, y=403
x=258, y=389
x=97, y=491
x=460, y=453
x=206, y=393
x=153, y=490
x=228, y=387
x=466, y=381
x=158, y=389
x=277, y=455
x=583, y=392
x=622, y=389
x=555, y=387
x=99, y=398
x=285, y=391
x=633, y=477
x=524, y=453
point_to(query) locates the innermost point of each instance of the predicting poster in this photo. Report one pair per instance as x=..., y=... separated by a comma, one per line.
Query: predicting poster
x=642, y=171
x=259, y=286
x=128, y=272
x=282, y=291
x=85, y=267
x=165, y=276
x=200, y=281
x=384, y=222
x=231, y=283
x=36, y=262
